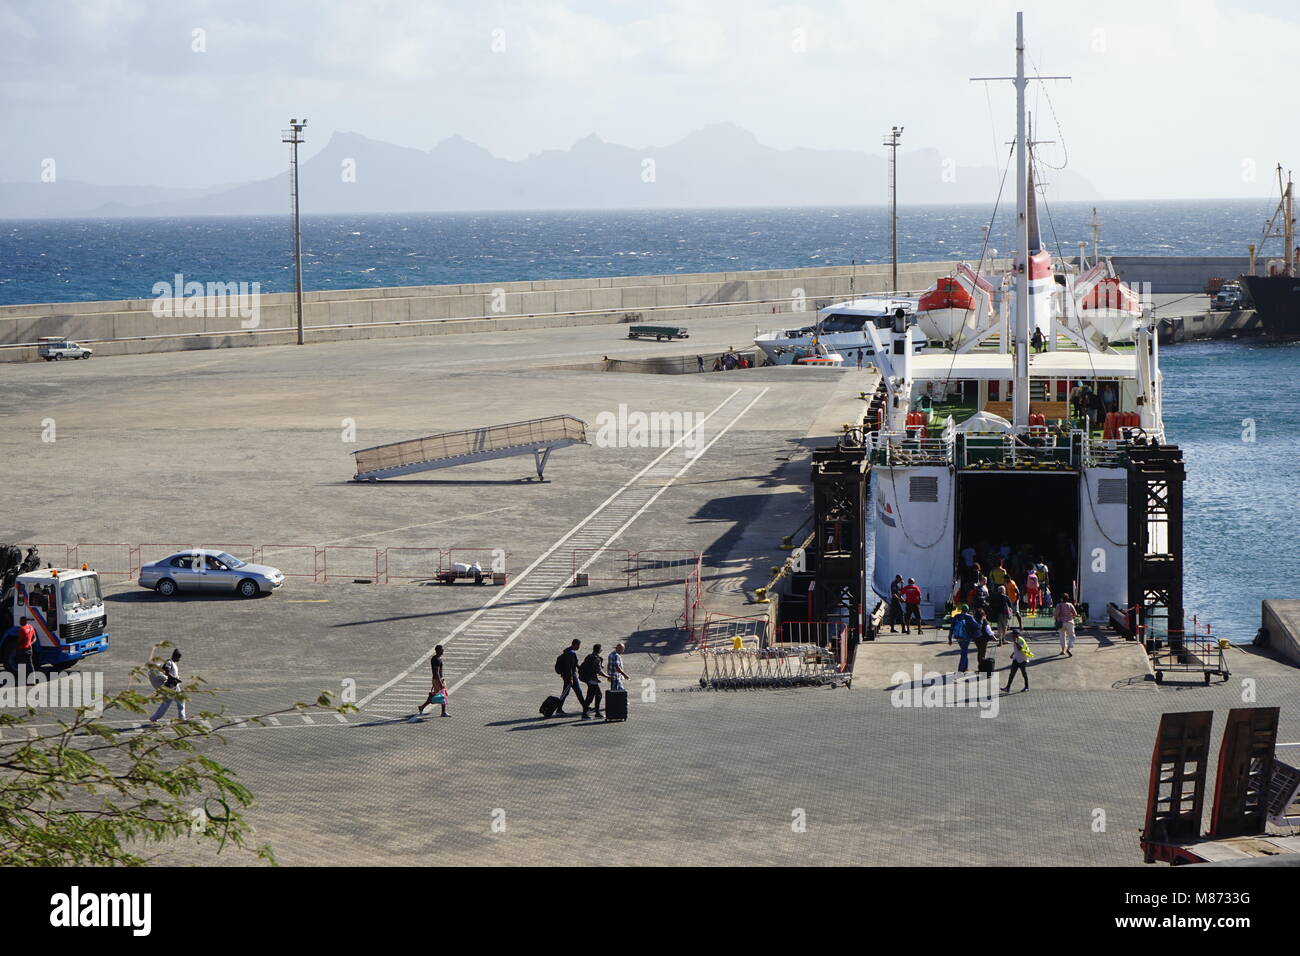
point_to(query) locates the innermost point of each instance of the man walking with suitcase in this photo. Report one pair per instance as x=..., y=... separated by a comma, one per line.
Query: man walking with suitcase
x=616, y=699
x=566, y=665
x=590, y=671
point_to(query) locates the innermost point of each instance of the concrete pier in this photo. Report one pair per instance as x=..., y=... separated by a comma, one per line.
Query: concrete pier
x=134, y=326
x=1281, y=621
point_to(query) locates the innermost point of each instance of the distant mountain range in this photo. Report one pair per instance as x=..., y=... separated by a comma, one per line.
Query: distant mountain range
x=720, y=165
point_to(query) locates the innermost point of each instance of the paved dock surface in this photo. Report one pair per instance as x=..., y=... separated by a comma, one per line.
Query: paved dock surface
x=1100, y=660
x=252, y=446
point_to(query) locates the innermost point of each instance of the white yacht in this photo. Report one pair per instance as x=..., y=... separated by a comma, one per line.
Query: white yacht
x=840, y=328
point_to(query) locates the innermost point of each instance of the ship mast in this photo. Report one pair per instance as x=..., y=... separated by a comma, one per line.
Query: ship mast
x=1287, y=235
x=1020, y=394
x=1095, y=225
x=1288, y=227
x=1020, y=410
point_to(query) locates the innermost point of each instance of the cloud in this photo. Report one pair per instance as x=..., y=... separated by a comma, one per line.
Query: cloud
x=116, y=89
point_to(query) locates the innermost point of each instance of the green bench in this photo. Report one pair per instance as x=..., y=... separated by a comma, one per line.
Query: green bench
x=659, y=332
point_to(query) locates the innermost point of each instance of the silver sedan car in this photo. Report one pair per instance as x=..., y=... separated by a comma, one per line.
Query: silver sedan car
x=201, y=570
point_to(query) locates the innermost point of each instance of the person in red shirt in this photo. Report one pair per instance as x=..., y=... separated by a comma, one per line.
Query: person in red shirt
x=912, y=605
x=19, y=642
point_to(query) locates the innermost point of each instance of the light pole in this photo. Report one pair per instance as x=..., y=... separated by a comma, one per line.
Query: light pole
x=293, y=136
x=895, y=134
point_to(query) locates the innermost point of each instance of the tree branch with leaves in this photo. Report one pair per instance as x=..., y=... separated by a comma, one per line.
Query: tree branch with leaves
x=84, y=791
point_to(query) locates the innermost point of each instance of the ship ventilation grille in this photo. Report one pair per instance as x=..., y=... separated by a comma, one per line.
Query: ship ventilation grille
x=1112, y=491
x=923, y=488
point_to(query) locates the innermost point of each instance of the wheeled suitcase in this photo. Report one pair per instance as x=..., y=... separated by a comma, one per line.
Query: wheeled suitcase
x=986, y=666
x=550, y=706
x=615, y=705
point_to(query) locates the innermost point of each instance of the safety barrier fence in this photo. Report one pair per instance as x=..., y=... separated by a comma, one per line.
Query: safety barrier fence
x=633, y=569
x=781, y=665
x=346, y=562
x=730, y=632
x=664, y=567
x=55, y=554
x=694, y=598
x=323, y=564
x=836, y=638
x=412, y=564
x=316, y=564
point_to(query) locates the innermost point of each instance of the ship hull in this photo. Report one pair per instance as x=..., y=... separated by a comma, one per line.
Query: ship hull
x=1277, y=303
x=925, y=515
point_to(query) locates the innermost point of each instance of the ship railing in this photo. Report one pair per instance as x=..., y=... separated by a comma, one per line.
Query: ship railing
x=902, y=448
x=1106, y=453
x=1033, y=449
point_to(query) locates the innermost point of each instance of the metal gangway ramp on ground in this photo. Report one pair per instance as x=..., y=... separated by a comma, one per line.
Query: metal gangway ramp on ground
x=538, y=437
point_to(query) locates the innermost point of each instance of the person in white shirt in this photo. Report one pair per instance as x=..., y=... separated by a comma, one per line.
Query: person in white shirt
x=1065, y=615
x=171, y=681
x=614, y=666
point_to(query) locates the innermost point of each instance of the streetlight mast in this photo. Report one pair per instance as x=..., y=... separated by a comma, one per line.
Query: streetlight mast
x=895, y=133
x=293, y=136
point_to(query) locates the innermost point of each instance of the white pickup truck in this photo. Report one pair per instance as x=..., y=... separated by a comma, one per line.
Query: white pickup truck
x=55, y=350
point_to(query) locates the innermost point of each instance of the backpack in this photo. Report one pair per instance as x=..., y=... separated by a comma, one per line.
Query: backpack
x=589, y=668
x=562, y=664
x=157, y=679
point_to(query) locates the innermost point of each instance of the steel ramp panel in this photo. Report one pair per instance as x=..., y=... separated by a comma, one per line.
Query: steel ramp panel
x=537, y=437
x=1245, y=772
x=1176, y=789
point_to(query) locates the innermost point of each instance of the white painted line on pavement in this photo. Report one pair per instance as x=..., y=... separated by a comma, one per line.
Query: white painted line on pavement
x=549, y=551
x=543, y=606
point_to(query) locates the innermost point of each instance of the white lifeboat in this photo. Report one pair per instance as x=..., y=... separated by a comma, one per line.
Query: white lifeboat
x=946, y=308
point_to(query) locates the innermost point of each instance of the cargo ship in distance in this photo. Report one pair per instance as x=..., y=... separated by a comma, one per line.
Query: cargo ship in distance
x=1276, y=294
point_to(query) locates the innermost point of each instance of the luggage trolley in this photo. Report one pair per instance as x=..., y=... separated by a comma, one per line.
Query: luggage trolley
x=1201, y=654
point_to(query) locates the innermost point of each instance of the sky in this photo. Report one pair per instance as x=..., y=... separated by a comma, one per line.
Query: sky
x=1167, y=100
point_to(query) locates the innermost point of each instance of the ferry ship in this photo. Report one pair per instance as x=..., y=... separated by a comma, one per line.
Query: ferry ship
x=1028, y=431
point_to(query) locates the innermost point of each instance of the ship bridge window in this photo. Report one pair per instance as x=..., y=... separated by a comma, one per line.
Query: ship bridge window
x=844, y=323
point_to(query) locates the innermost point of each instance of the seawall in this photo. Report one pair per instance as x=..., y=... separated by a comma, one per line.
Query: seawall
x=1180, y=273
x=132, y=326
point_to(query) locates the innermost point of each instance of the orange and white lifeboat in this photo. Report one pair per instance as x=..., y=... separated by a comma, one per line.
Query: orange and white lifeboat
x=1107, y=303
x=945, y=308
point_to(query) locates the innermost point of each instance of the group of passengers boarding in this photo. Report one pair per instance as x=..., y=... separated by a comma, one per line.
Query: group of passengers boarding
x=1026, y=577
x=983, y=607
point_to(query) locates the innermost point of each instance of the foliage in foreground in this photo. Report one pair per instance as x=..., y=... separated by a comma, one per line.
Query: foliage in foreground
x=82, y=792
